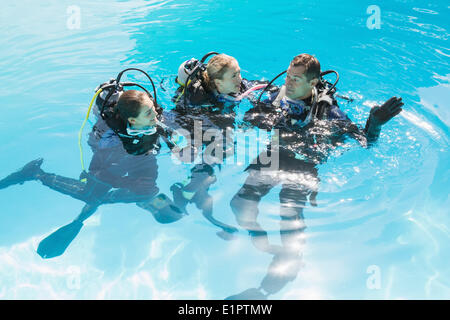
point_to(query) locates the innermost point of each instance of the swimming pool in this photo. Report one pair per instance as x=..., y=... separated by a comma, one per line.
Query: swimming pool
x=381, y=229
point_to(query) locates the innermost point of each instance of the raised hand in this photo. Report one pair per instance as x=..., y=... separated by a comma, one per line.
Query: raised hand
x=382, y=114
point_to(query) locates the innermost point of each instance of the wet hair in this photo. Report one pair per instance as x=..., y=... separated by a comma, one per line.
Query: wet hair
x=131, y=102
x=216, y=68
x=311, y=64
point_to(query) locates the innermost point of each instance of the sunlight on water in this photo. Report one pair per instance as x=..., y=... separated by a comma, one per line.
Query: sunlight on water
x=380, y=229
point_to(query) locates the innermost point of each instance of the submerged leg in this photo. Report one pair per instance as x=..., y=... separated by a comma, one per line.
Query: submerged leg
x=283, y=269
x=195, y=190
x=286, y=264
x=297, y=187
x=27, y=173
x=245, y=208
x=202, y=176
x=90, y=192
x=204, y=202
x=162, y=208
x=292, y=224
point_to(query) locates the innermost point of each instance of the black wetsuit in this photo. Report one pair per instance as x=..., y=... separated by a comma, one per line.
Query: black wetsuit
x=202, y=101
x=204, y=110
x=123, y=168
x=300, y=148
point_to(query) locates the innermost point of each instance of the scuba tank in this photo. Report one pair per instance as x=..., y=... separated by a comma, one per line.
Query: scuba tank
x=102, y=99
x=189, y=71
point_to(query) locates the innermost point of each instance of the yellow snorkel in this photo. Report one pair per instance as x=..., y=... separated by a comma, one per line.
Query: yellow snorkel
x=81, y=131
x=182, y=92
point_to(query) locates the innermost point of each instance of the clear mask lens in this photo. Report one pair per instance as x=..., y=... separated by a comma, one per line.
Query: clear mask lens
x=147, y=131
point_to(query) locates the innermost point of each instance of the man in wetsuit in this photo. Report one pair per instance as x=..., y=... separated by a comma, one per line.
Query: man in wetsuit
x=310, y=125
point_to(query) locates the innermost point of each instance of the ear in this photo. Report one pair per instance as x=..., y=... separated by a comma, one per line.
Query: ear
x=132, y=120
x=218, y=83
x=314, y=82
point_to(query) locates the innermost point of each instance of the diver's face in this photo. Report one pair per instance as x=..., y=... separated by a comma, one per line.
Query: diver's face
x=231, y=80
x=146, y=117
x=297, y=85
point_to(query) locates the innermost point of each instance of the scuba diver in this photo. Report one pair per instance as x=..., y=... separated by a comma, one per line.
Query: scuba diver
x=207, y=96
x=125, y=141
x=309, y=125
x=217, y=85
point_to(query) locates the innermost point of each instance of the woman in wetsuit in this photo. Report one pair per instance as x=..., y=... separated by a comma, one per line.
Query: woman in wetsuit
x=207, y=96
x=123, y=169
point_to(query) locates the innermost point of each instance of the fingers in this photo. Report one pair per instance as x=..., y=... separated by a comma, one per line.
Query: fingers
x=396, y=108
x=396, y=112
x=389, y=109
x=389, y=102
x=393, y=105
x=397, y=102
x=392, y=101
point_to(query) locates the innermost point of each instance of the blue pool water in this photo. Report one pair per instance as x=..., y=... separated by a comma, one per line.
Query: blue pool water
x=382, y=227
